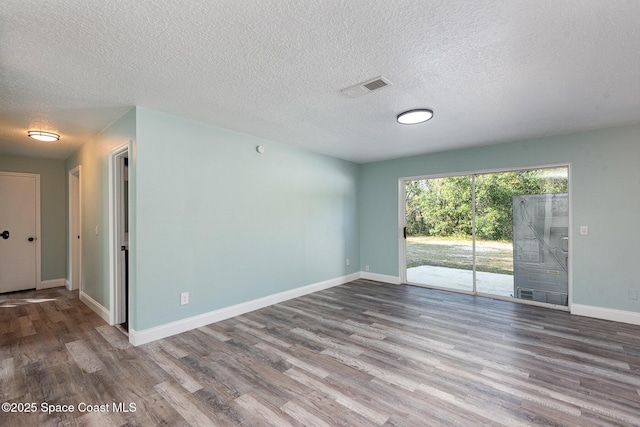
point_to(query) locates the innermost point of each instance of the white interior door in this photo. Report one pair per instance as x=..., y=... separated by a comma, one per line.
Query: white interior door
x=17, y=232
x=118, y=236
x=75, y=225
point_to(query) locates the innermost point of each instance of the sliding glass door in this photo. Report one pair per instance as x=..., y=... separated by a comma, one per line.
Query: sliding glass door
x=439, y=248
x=501, y=234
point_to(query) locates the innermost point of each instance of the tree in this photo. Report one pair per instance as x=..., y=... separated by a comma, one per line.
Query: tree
x=415, y=191
x=446, y=206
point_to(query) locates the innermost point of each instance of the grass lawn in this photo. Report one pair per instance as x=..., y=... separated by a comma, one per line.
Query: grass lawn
x=492, y=257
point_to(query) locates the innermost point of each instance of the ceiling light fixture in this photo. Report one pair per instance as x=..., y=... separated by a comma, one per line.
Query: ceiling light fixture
x=43, y=136
x=413, y=117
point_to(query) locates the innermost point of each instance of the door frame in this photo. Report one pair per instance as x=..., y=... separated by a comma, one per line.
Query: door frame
x=75, y=229
x=38, y=266
x=116, y=225
x=402, y=219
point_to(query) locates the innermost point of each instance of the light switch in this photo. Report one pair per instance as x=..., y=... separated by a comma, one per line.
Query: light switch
x=584, y=230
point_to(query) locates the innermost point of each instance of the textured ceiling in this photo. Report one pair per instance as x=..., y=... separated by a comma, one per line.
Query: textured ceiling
x=492, y=70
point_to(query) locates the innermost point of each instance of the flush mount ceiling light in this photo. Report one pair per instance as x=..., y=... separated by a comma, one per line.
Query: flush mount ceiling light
x=43, y=136
x=413, y=117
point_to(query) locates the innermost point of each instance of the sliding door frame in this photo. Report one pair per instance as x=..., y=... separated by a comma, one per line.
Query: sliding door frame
x=402, y=241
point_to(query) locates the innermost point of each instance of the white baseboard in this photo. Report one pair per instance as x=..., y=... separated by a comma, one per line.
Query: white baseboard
x=95, y=306
x=394, y=280
x=606, y=313
x=183, y=325
x=54, y=283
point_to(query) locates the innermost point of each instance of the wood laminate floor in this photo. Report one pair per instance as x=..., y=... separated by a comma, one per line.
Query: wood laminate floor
x=361, y=354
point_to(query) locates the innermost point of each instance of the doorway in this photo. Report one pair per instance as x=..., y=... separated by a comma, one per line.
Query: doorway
x=75, y=227
x=501, y=234
x=119, y=235
x=19, y=231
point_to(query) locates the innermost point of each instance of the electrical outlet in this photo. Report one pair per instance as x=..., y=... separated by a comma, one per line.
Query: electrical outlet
x=633, y=294
x=348, y=261
x=184, y=298
x=366, y=268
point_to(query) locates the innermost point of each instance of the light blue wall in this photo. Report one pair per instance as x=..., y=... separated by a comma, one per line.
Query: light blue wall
x=52, y=210
x=93, y=158
x=212, y=217
x=605, y=178
x=228, y=225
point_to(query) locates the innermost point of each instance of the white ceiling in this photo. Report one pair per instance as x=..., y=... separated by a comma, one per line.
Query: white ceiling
x=492, y=70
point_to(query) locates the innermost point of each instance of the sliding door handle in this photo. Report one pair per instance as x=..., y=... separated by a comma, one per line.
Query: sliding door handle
x=405, y=232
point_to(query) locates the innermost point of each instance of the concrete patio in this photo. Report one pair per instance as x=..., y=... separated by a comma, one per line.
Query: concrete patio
x=453, y=278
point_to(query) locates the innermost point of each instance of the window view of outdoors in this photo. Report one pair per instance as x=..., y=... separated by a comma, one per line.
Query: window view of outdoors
x=519, y=215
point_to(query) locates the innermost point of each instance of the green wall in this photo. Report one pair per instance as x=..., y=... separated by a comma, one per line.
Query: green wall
x=52, y=210
x=228, y=225
x=605, y=178
x=93, y=158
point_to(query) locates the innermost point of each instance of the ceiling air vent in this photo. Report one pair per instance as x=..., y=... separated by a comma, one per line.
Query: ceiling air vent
x=366, y=87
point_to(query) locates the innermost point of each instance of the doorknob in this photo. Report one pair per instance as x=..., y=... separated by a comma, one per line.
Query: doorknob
x=5, y=234
x=31, y=239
